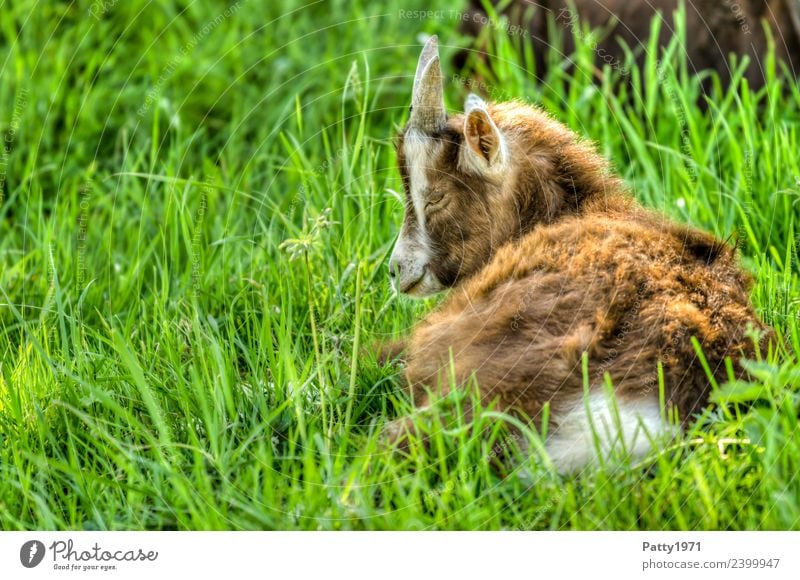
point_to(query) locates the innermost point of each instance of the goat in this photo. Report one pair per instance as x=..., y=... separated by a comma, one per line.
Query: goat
x=549, y=257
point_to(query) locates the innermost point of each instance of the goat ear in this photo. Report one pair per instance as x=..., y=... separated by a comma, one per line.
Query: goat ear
x=484, y=140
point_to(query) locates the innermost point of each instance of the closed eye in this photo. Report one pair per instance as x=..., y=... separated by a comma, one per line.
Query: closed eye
x=435, y=200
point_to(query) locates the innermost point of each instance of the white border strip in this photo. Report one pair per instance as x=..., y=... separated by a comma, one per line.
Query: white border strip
x=402, y=555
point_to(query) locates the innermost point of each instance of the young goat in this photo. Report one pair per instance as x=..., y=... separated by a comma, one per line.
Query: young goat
x=549, y=257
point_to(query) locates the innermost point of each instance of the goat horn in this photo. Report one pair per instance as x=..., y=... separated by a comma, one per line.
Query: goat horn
x=427, y=99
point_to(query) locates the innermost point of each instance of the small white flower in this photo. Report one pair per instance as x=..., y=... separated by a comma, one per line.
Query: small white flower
x=680, y=202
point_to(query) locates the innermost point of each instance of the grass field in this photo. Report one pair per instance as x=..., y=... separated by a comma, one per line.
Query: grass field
x=197, y=201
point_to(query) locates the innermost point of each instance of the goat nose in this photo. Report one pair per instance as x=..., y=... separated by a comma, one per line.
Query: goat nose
x=394, y=269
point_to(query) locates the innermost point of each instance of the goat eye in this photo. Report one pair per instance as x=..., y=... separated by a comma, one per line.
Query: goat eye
x=434, y=199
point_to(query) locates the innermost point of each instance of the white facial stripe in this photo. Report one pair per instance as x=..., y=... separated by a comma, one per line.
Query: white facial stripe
x=416, y=146
x=412, y=253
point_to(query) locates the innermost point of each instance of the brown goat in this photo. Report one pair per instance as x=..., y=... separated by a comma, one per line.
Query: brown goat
x=548, y=258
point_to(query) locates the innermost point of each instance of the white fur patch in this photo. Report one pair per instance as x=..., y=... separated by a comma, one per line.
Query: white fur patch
x=631, y=426
x=473, y=101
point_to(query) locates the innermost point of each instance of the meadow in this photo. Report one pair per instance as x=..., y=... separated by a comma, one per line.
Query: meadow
x=197, y=204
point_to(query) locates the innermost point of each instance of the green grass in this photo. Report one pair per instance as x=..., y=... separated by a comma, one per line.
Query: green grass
x=185, y=330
